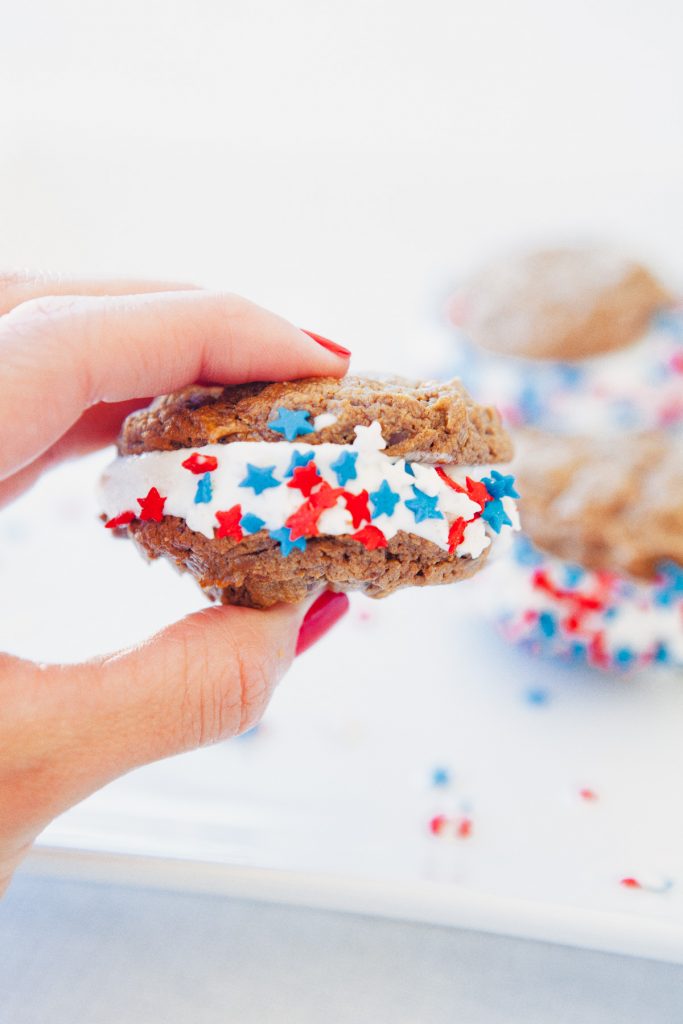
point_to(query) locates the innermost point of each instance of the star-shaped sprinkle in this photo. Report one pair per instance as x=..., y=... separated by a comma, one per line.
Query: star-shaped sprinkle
x=121, y=520
x=357, y=504
x=326, y=496
x=298, y=459
x=409, y=469
x=152, y=506
x=423, y=506
x=259, y=478
x=370, y=537
x=384, y=500
x=345, y=467
x=229, y=523
x=304, y=522
x=282, y=536
x=369, y=438
x=251, y=523
x=305, y=478
x=291, y=423
x=500, y=486
x=204, y=490
x=495, y=515
x=474, y=489
x=456, y=534
x=198, y=463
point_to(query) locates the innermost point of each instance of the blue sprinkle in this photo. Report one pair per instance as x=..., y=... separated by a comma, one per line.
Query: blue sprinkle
x=251, y=523
x=525, y=553
x=495, y=515
x=441, y=777
x=259, y=478
x=283, y=536
x=291, y=423
x=624, y=656
x=298, y=459
x=573, y=574
x=569, y=374
x=662, y=655
x=529, y=405
x=409, y=469
x=500, y=486
x=547, y=624
x=537, y=696
x=423, y=506
x=204, y=490
x=384, y=500
x=345, y=467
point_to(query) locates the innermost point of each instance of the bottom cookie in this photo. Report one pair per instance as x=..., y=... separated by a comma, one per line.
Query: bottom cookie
x=253, y=572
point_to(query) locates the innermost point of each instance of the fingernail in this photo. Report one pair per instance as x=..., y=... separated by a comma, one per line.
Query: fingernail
x=320, y=617
x=331, y=346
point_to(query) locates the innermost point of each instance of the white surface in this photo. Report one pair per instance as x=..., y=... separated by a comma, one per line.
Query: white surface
x=337, y=781
x=343, y=164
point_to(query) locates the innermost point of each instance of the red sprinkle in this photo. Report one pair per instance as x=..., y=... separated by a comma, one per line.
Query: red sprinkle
x=305, y=478
x=198, y=464
x=229, y=523
x=370, y=537
x=464, y=829
x=588, y=794
x=357, y=504
x=122, y=520
x=325, y=496
x=304, y=522
x=152, y=506
x=437, y=824
x=456, y=534
x=630, y=883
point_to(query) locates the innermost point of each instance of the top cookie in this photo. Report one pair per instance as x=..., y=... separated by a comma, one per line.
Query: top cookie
x=434, y=422
x=603, y=503
x=561, y=304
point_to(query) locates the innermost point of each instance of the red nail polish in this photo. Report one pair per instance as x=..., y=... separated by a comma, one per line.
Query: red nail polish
x=331, y=346
x=321, y=616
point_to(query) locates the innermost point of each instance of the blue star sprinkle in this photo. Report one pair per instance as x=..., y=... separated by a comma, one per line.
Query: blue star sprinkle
x=500, y=486
x=291, y=423
x=547, y=624
x=670, y=586
x=495, y=515
x=298, y=459
x=259, y=478
x=251, y=523
x=345, y=467
x=525, y=553
x=204, y=491
x=409, y=469
x=537, y=696
x=440, y=777
x=423, y=506
x=384, y=500
x=283, y=537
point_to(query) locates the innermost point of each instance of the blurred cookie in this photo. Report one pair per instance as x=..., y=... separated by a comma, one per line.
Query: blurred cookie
x=268, y=492
x=614, y=505
x=572, y=340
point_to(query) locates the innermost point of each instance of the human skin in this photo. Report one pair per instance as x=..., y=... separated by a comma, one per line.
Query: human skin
x=76, y=357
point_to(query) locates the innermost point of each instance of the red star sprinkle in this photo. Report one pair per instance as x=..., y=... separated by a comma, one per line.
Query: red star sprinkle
x=464, y=828
x=456, y=534
x=325, y=496
x=122, y=520
x=437, y=824
x=474, y=489
x=229, y=523
x=152, y=507
x=370, y=537
x=588, y=794
x=200, y=463
x=304, y=522
x=357, y=504
x=630, y=883
x=305, y=478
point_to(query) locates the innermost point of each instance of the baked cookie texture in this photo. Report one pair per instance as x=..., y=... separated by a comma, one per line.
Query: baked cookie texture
x=313, y=435
x=613, y=504
x=560, y=304
x=430, y=422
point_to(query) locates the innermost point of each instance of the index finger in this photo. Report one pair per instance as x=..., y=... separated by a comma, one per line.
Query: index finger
x=61, y=355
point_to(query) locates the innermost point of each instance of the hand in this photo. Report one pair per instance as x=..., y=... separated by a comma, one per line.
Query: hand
x=78, y=356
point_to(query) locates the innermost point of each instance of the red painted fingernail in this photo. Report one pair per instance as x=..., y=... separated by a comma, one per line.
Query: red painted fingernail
x=321, y=616
x=331, y=346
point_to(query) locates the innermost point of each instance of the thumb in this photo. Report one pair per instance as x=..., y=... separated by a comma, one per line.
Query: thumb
x=205, y=678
